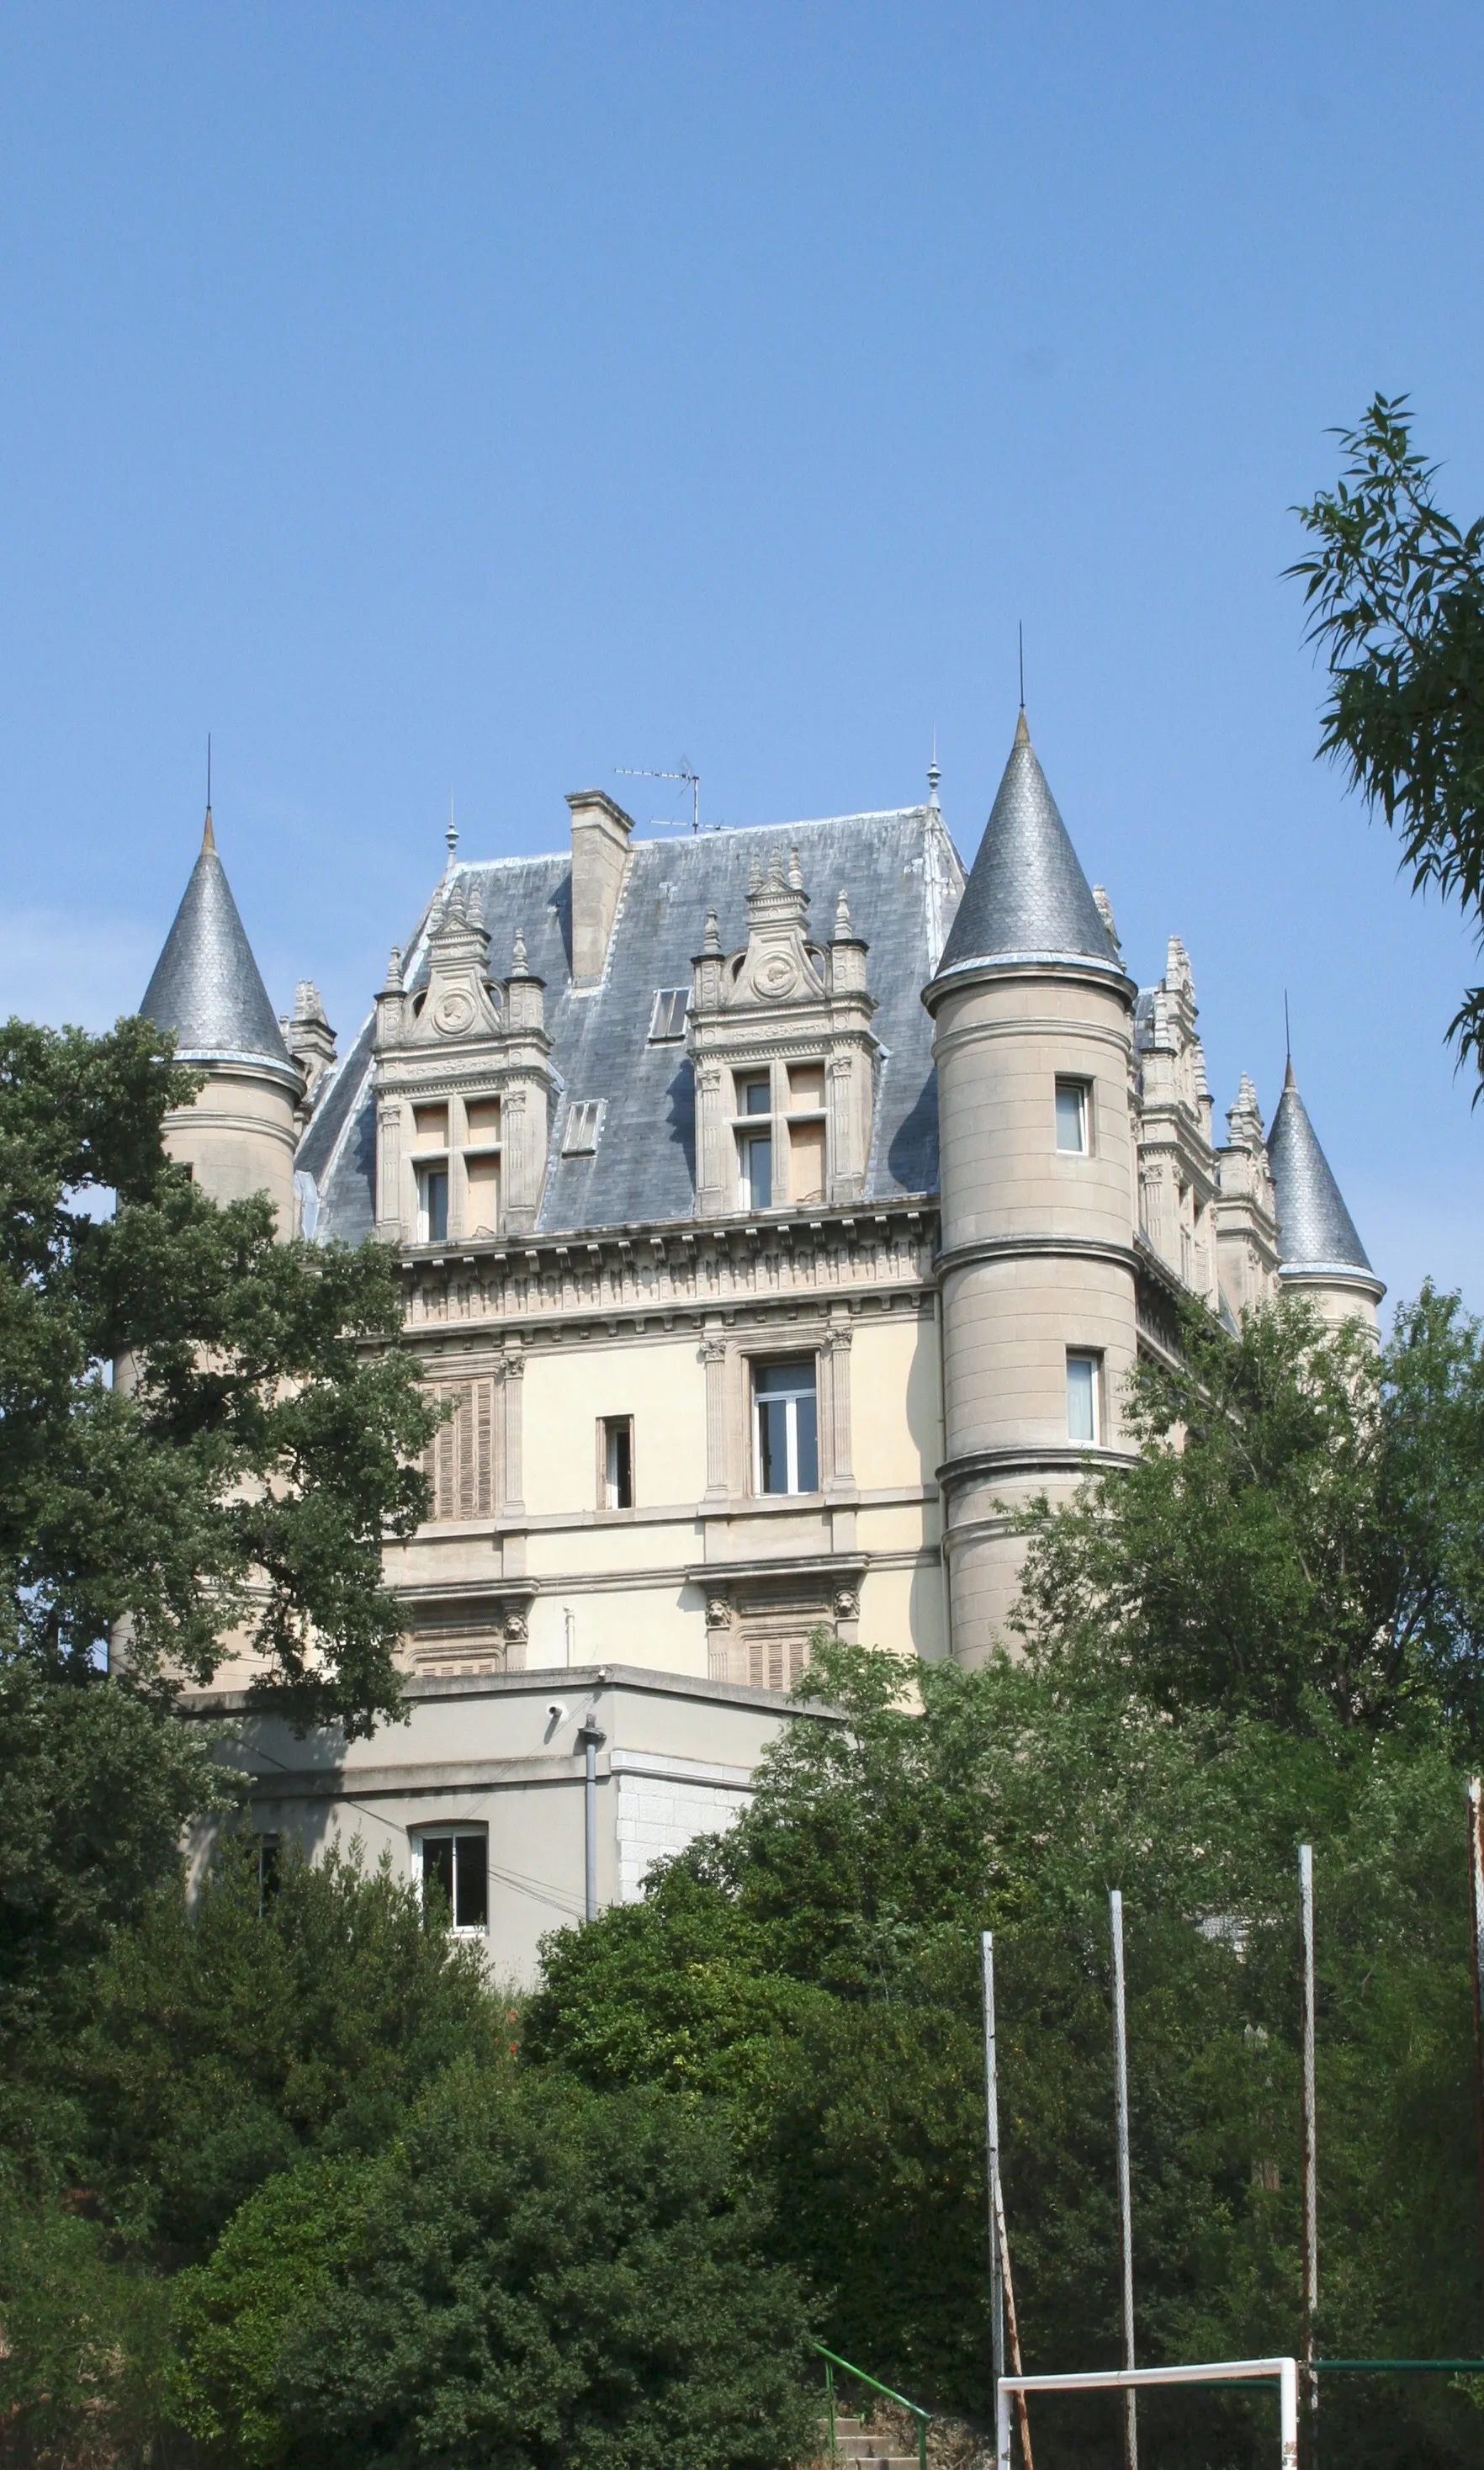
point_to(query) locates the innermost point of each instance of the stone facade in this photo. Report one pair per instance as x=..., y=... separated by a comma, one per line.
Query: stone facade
x=779, y=1210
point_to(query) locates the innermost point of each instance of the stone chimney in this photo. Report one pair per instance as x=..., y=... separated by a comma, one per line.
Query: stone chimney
x=600, y=848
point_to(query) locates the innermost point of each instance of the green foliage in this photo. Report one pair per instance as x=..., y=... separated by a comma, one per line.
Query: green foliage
x=1396, y=592
x=84, y=2347
x=259, y=1443
x=227, y=2043
x=1302, y=1535
x=98, y=1785
x=532, y=2275
x=1265, y=1636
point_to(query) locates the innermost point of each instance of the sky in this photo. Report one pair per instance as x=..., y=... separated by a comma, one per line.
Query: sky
x=473, y=401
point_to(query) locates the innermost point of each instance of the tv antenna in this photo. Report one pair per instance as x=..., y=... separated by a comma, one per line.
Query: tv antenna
x=692, y=780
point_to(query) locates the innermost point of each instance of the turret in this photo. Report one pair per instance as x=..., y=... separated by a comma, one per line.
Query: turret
x=1319, y=1254
x=1032, y=1014
x=239, y=1136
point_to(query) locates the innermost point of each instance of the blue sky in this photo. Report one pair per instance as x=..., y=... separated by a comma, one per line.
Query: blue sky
x=481, y=399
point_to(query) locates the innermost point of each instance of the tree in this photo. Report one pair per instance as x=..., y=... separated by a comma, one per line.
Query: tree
x=532, y=2275
x=240, y=1474
x=229, y=2042
x=1396, y=592
x=1300, y=1536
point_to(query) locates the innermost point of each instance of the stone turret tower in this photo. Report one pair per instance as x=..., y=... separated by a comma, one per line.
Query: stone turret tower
x=1319, y=1254
x=1033, y=1015
x=239, y=1136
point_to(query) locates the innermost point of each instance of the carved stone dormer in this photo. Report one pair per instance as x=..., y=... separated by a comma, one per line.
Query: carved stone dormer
x=781, y=1038
x=310, y=1041
x=463, y=1088
x=1246, y=1209
x=1178, y=1167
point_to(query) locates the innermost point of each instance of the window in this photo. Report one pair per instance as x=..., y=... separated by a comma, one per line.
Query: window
x=430, y=1127
x=582, y=1125
x=806, y=1089
x=1072, y=1116
x=756, y=1160
x=806, y=1162
x=754, y=1095
x=481, y=1115
x=667, y=1020
x=616, y=1447
x=1084, y=1373
x=432, y=1202
x=453, y=1863
x=785, y=1426
x=269, y=1871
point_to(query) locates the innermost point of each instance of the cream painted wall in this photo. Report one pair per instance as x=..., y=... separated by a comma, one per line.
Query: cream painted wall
x=895, y=1401
x=656, y=1381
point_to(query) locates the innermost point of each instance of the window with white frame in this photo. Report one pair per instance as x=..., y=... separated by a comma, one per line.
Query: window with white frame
x=452, y=1866
x=615, y=1459
x=1073, y=1117
x=667, y=1019
x=584, y=1122
x=785, y=1426
x=1084, y=1380
x=754, y=1147
x=432, y=1205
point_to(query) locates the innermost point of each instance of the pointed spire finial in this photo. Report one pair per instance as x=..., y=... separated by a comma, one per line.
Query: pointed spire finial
x=934, y=773
x=755, y=875
x=208, y=836
x=1022, y=733
x=518, y=968
x=843, y=918
x=1020, y=632
x=1288, y=1044
x=794, y=871
x=710, y=941
x=394, y=971
x=451, y=835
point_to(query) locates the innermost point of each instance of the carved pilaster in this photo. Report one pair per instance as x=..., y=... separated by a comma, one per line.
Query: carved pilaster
x=713, y=1357
x=718, y=1633
x=512, y=1384
x=388, y=1158
x=837, y=1358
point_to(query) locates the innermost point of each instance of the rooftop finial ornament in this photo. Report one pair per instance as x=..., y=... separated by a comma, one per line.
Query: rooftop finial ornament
x=208, y=836
x=451, y=835
x=934, y=775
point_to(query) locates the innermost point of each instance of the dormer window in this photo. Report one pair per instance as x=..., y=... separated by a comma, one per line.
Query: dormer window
x=581, y=1130
x=667, y=1019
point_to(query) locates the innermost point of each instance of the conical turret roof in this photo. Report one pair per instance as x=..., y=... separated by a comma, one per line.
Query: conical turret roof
x=1027, y=897
x=206, y=985
x=1315, y=1230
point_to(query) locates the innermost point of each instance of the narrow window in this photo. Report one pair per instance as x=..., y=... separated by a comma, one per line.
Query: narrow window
x=667, y=1019
x=582, y=1125
x=1071, y=1117
x=1082, y=1384
x=785, y=1429
x=430, y=1127
x=616, y=1443
x=453, y=1867
x=482, y=1117
x=754, y=1095
x=432, y=1186
x=806, y=1162
x=805, y=1088
x=757, y=1176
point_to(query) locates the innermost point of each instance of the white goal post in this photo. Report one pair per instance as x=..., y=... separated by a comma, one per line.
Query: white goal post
x=1226, y=2371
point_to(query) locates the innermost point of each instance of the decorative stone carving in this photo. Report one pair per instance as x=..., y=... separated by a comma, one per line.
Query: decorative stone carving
x=718, y=1612
x=847, y=1605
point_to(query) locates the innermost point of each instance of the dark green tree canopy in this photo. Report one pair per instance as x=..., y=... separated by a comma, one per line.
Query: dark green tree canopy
x=1396, y=588
x=204, y=1432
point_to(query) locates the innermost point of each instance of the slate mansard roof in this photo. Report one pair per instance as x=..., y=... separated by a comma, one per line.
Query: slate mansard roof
x=1315, y=1230
x=206, y=985
x=903, y=880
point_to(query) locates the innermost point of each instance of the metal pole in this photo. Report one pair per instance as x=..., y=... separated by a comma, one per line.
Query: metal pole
x=1288, y=2413
x=592, y=1740
x=1306, y=1862
x=1476, y=1917
x=1125, y=2192
x=992, y=2161
x=1001, y=2450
